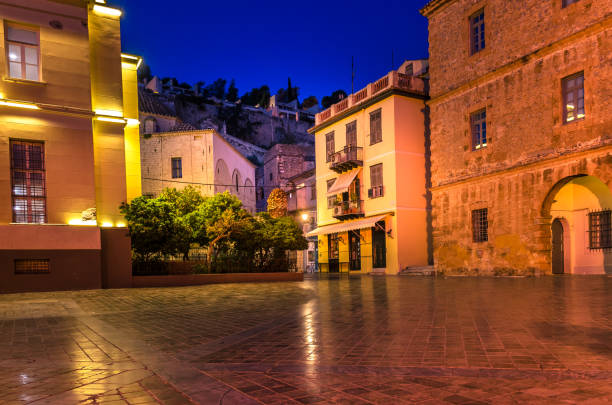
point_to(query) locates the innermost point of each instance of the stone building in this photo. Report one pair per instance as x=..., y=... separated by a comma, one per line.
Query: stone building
x=69, y=150
x=302, y=206
x=185, y=156
x=521, y=135
x=281, y=163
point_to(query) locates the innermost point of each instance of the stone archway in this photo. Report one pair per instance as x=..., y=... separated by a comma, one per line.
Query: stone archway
x=578, y=206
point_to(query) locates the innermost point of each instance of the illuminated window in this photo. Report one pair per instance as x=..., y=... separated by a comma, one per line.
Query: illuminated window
x=375, y=127
x=573, y=97
x=477, y=32
x=478, y=128
x=329, y=146
x=480, y=225
x=600, y=230
x=23, y=53
x=28, y=182
x=32, y=266
x=568, y=2
x=177, y=168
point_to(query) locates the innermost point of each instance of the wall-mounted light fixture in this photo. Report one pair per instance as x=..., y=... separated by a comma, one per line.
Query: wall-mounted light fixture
x=107, y=11
x=19, y=104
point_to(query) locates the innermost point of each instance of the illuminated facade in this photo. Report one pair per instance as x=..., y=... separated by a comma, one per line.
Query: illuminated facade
x=521, y=136
x=371, y=176
x=69, y=146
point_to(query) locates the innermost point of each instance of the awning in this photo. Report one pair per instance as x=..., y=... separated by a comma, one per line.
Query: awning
x=343, y=182
x=347, y=226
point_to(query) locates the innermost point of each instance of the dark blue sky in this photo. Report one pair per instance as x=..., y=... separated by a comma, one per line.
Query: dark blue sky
x=310, y=41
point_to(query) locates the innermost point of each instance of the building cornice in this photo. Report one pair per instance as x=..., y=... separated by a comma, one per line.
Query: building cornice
x=433, y=6
x=523, y=166
x=377, y=98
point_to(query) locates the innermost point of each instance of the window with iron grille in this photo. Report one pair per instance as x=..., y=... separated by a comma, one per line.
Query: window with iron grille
x=329, y=146
x=478, y=128
x=375, y=127
x=480, y=225
x=23, y=52
x=600, y=230
x=573, y=97
x=351, y=134
x=477, y=32
x=568, y=2
x=28, y=182
x=376, y=181
x=32, y=266
x=177, y=168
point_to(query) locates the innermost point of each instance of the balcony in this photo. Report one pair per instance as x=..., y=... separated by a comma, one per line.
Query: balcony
x=348, y=210
x=393, y=80
x=346, y=159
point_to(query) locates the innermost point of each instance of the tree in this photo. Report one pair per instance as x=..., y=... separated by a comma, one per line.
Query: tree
x=232, y=92
x=335, y=97
x=154, y=229
x=217, y=88
x=144, y=72
x=309, y=102
x=257, y=97
x=277, y=203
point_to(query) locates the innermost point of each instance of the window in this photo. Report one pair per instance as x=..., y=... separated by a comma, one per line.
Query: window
x=271, y=177
x=477, y=32
x=28, y=182
x=177, y=168
x=478, y=127
x=351, y=134
x=376, y=181
x=410, y=69
x=600, y=230
x=568, y=2
x=375, y=127
x=236, y=182
x=313, y=191
x=32, y=266
x=22, y=46
x=480, y=225
x=331, y=200
x=329, y=146
x=573, y=97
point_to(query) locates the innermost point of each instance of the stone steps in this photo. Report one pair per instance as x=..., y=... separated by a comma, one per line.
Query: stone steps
x=418, y=271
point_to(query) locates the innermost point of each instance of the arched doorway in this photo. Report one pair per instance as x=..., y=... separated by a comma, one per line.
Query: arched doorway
x=558, y=253
x=581, y=233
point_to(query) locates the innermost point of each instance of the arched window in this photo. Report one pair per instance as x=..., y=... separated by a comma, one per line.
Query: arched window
x=236, y=180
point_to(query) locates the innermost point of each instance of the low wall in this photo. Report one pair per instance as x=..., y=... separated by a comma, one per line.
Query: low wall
x=178, y=280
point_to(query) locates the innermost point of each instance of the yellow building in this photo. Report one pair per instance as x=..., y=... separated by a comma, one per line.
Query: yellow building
x=371, y=176
x=69, y=145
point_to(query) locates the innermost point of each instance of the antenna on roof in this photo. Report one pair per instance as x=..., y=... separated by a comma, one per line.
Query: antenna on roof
x=352, y=74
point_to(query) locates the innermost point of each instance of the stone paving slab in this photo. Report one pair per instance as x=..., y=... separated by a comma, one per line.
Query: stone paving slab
x=389, y=340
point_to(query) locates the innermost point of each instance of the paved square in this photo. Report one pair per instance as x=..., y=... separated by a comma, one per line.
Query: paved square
x=358, y=340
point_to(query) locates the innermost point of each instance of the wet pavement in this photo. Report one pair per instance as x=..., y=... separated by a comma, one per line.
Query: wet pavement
x=358, y=340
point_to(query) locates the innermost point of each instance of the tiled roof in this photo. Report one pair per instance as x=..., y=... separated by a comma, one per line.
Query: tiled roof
x=149, y=103
x=182, y=127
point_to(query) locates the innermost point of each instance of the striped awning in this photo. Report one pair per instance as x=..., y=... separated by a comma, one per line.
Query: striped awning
x=347, y=226
x=343, y=182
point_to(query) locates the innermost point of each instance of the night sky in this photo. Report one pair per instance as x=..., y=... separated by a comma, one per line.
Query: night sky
x=310, y=41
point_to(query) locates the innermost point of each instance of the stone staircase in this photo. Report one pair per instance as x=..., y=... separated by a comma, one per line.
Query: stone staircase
x=418, y=271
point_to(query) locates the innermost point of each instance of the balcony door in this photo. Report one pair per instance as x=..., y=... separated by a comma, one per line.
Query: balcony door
x=354, y=250
x=379, y=246
x=333, y=253
x=351, y=135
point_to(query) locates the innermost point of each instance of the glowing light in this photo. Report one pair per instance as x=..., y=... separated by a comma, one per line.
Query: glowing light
x=133, y=121
x=110, y=119
x=101, y=1
x=121, y=225
x=19, y=105
x=78, y=221
x=12, y=56
x=110, y=113
x=107, y=224
x=304, y=217
x=136, y=59
x=113, y=12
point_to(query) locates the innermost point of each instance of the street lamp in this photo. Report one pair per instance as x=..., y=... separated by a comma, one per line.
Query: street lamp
x=305, y=217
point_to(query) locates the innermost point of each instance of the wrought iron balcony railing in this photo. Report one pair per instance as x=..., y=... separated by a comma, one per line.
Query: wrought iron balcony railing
x=348, y=209
x=346, y=159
